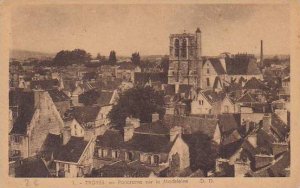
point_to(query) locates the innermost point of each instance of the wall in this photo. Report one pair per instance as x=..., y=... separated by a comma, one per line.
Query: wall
x=211, y=75
x=45, y=120
x=196, y=108
x=182, y=149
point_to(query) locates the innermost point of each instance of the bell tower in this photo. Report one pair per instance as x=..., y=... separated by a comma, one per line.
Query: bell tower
x=184, y=58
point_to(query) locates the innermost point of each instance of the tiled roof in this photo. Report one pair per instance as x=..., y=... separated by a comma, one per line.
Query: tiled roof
x=123, y=169
x=58, y=96
x=154, y=127
x=216, y=63
x=229, y=122
x=50, y=145
x=280, y=128
x=84, y=114
x=72, y=151
x=230, y=138
x=254, y=83
x=213, y=96
x=105, y=98
x=32, y=168
x=44, y=84
x=143, y=78
x=192, y=124
x=241, y=66
x=139, y=142
x=248, y=98
x=25, y=102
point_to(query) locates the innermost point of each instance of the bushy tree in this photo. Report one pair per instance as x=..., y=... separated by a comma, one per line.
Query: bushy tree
x=138, y=102
x=112, y=58
x=165, y=64
x=135, y=58
x=66, y=57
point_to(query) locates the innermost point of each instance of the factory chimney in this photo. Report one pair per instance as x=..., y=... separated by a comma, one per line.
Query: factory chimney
x=261, y=53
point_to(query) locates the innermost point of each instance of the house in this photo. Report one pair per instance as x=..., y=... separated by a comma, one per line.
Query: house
x=92, y=120
x=61, y=100
x=211, y=102
x=255, y=86
x=212, y=68
x=75, y=158
x=35, y=117
x=157, y=151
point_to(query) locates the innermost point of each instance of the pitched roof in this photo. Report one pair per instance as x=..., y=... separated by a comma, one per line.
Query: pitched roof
x=72, y=151
x=139, y=142
x=230, y=138
x=50, y=145
x=25, y=102
x=33, y=168
x=254, y=83
x=213, y=96
x=105, y=98
x=44, y=84
x=144, y=77
x=123, y=169
x=157, y=127
x=248, y=98
x=229, y=122
x=280, y=128
x=58, y=96
x=192, y=124
x=241, y=65
x=83, y=114
x=216, y=63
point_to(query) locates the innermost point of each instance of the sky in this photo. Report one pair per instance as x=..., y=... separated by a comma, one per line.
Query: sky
x=146, y=28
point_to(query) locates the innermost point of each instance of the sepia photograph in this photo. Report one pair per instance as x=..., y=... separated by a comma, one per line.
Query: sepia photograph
x=149, y=91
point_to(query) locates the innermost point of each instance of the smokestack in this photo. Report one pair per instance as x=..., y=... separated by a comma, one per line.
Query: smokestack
x=261, y=53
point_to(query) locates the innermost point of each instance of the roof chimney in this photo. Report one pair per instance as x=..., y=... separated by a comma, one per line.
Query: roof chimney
x=128, y=132
x=155, y=117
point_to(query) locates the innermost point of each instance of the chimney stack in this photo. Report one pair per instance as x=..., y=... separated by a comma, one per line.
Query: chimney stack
x=261, y=53
x=155, y=117
x=267, y=122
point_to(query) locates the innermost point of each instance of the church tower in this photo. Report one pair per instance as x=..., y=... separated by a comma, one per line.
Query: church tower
x=185, y=63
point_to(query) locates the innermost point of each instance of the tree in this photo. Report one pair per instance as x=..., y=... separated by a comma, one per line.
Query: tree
x=203, y=151
x=66, y=57
x=138, y=102
x=135, y=58
x=112, y=58
x=101, y=58
x=165, y=64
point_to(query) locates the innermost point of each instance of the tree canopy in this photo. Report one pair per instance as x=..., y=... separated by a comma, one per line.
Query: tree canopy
x=66, y=57
x=112, y=58
x=138, y=102
x=135, y=58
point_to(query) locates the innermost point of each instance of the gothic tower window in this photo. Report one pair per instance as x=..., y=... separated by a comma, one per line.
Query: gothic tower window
x=183, y=49
x=176, y=48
